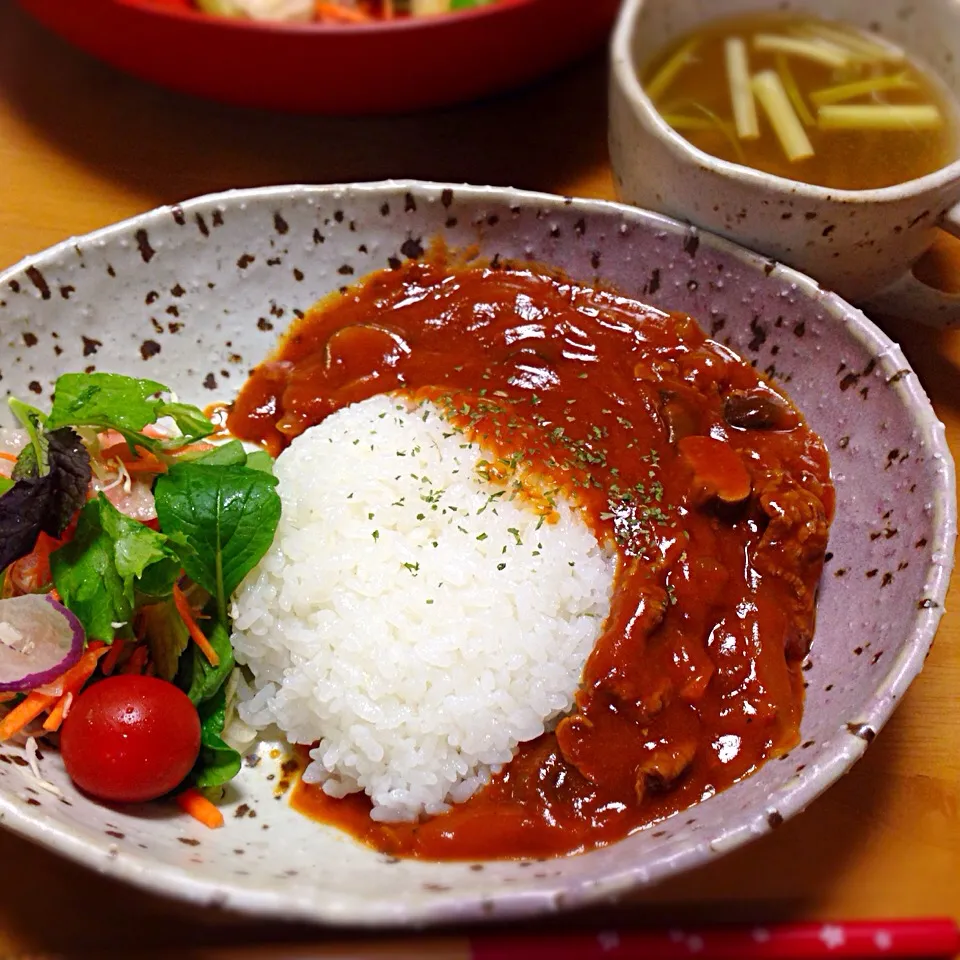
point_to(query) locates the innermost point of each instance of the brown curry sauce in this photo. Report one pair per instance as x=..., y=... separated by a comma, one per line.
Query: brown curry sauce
x=715, y=492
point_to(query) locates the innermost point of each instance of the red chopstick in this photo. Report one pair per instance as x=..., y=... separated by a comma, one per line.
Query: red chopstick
x=937, y=937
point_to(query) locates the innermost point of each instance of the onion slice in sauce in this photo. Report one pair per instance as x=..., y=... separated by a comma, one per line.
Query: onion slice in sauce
x=39, y=639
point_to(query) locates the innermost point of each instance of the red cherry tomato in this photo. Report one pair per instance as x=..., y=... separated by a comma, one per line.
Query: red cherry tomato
x=130, y=739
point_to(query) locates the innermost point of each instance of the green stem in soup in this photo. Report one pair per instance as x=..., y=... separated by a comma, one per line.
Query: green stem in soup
x=709, y=122
x=820, y=51
x=862, y=88
x=793, y=91
x=680, y=122
x=858, y=45
x=657, y=87
x=769, y=90
x=741, y=94
x=880, y=116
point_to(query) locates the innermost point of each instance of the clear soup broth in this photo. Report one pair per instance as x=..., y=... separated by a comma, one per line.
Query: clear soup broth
x=806, y=99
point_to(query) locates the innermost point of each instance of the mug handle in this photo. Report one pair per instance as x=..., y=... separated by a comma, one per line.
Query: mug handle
x=911, y=298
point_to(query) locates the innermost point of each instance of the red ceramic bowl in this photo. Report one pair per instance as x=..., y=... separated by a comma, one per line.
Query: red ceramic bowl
x=384, y=67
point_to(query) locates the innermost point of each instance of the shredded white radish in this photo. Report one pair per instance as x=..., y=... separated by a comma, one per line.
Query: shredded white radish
x=783, y=118
x=31, y=751
x=50, y=788
x=67, y=704
x=138, y=504
x=741, y=94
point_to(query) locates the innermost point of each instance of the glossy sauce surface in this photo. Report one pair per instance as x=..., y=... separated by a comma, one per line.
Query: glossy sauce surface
x=713, y=491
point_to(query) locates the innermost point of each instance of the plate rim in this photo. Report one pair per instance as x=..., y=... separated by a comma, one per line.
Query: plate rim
x=839, y=753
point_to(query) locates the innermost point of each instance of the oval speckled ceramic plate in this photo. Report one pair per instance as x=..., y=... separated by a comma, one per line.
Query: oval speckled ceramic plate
x=194, y=295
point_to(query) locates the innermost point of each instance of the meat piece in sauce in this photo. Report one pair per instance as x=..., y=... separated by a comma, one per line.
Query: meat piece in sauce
x=793, y=542
x=669, y=759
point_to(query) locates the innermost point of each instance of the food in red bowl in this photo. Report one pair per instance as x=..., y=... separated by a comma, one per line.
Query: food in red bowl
x=327, y=11
x=376, y=66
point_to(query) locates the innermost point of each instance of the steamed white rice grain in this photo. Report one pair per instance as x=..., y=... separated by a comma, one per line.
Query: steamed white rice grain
x=410, y=617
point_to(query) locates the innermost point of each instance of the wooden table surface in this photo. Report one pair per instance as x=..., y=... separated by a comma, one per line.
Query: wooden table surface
x=82, y=146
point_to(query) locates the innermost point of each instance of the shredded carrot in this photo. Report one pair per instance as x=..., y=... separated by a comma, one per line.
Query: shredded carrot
x=186, y=614
x=201, y=446
x=58, y=714
x=146, y=465
x=200, y=808
x=6, y=697
x=118, y=448
x=23, y=713
x=143, y=461
x=137, y=661
x=37, y=702
x=121, y=451
x=11, y=457
x=113, y=655
x=334, y=13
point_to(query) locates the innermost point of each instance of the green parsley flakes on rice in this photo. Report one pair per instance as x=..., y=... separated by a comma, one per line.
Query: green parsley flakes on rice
x=411, y=618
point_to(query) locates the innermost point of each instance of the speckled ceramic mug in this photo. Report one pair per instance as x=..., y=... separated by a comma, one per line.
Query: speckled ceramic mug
x=861, y=243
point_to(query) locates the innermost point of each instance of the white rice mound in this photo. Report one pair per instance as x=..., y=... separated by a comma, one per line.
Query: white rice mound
x=410, y=616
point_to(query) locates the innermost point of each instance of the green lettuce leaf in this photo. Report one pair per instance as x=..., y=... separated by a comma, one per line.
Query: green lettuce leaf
x=222, y=520
x=230, y=454
x=260, y=460
x=167, y=636
x=196, y=677
x=86, y=577
x=190, y=420
x=217, y=763
x=32, y=461
x=105, y=401
x=110, y=558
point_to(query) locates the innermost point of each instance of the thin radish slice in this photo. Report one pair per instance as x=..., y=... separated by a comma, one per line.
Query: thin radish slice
x=39, y=640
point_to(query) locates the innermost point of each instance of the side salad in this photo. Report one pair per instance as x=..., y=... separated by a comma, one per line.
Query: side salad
x=326, y=11
x=124, y=531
